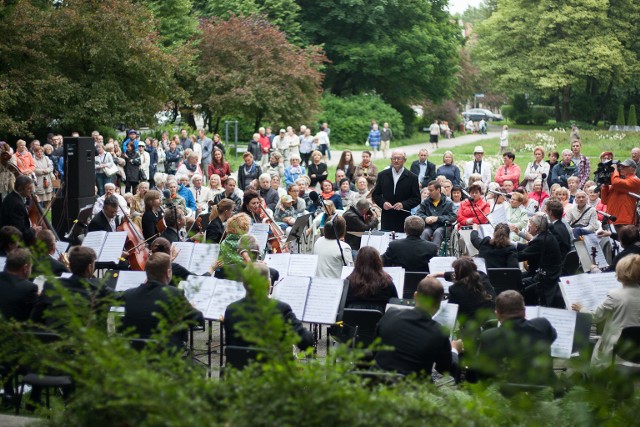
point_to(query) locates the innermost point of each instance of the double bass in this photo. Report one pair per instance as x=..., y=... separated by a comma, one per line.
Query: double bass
x=135, y=245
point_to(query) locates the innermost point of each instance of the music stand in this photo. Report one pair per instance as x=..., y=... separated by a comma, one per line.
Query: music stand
x=297, y=229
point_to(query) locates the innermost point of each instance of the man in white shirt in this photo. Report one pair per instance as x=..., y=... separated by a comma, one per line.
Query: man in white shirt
x=110, y=190
x=582, y=218
x=200, y=193
x=477, y=165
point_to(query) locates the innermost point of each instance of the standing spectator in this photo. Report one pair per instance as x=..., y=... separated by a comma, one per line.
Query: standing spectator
x=374, y=140
x=248, y=171
x=509, y=170
x=276, y=165
x=219, y=166
x=564, y=169
x=279, y=143
x=552, y=161
x=306, y=147
x=254, y=148
x=478, y=166
x=162, y=155
x=582, y=162
x=24, y=159
x=132, y=168
x=317, y=169
x=185, y=141
x=265, y=145
x=423, y=168
x=367, y=170
x=635, y=156
x=145, y=162
x=153, y=158
x=217, y=142
x=207, y=149
x=197, y=148
x=449, y=170
x=482, y=126
x=132, y=136
x=327, y=130
x=293, y=142
x=575, y=133
x=103, y=161
x=434, y=133
x=536, y=168
x=323, y=142
x=173, y=157
x=44, y=176
x=347, y=165
x=504, y=140
x=616, y=196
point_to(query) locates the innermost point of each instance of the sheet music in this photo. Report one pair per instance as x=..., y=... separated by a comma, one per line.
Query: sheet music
x=380, y=242
x=3, y=261
x=593, y=241
x=447, y=315
x=399, y=307
x=113, y=246
x=346, y=271
x=199, y=290
x=589, y=290
x=480, y=264
x=601, y=285
x=204, y=254
x=302, y=265
x=441, y=264
x=225, y=293
x=278, y=261
x=564, y=322
x=486, y=230
x=293, y=290
x=323, y=300
x=498, y=216
x=65, y=275
x=95, y=240
x=397, y=275
x=531, y=312
x=185, y=251
x=39, y=281
x=61, y=247
x=261, y=232
x=130, y=279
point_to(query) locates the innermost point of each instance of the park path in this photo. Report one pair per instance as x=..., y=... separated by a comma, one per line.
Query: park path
x=410, y=150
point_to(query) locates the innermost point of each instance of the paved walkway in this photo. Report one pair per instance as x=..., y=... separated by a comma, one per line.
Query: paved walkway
x=410, y=150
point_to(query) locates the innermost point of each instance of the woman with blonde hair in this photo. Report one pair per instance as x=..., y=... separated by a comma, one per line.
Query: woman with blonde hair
x=536, y=169
x=449, y=170
x=220, y=213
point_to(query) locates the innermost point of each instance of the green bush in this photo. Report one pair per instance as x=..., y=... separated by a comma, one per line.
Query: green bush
x=581, y=125
x=632, y=121
x=620, y=120
x=539, y=118
x=507, y=111
x=349, y=118
x=520, y=105
x=522, y=119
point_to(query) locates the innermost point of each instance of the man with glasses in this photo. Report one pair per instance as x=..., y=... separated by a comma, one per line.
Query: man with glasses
x=397, y=192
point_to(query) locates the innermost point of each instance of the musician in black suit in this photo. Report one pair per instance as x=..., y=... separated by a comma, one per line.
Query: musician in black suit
x=396, y=192
x=86, y=295
x=558, y=228
x=48, y=262
x=417, y=339
x=13, y=210
x=107, y=219
x=162, y=245
x=237, y=311
x=520, y=349
x=156, y=299
x=412, y=253
x=17, y=294
x=543, y=255
x=174, y=220
x=359, y=218
x=423, y=168
x=10, y=238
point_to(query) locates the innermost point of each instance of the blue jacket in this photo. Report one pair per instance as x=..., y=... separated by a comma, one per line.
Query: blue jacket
x=189, y=200
x=290, y=178
x=374, y=137
x=126, y=141
x=561, y=172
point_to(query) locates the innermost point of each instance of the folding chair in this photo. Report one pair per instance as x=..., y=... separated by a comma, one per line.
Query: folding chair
x=628, y=349
x=571, y=263
x=504, y=279
x=366, y=322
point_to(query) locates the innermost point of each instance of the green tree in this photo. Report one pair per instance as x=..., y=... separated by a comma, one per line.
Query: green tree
x=246, y=67
x=620, y=120
x=632, y=121
x=84, y=65
x=560, y=47
x=176, y=25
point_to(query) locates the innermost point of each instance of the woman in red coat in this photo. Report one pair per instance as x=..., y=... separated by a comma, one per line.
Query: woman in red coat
x=470, y=209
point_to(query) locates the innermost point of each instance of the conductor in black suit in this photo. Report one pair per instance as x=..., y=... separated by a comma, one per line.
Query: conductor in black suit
x=412, y=253
x=237, y=312
x=417, y=339
x=14, y=208
x=107, y=219
x=397, y=192
x=17, y=294
x=520, y=349
x=154, y=300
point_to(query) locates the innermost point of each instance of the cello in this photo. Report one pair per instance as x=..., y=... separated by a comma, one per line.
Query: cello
x=135, y=245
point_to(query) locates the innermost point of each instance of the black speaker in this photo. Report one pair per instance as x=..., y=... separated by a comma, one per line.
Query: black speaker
x=79, y=167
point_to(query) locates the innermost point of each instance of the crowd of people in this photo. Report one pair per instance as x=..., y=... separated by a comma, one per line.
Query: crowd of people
x=161, y=187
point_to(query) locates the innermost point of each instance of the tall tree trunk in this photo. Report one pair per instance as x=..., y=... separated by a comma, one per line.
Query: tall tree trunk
x=602, y=105
x=216, y=127
x=256, y=126
x=556, y=104
x=566, y=94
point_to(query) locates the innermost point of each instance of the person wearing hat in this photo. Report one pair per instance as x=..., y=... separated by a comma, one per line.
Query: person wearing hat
x=635, y=156
x=477, y=165
x=132, y=136
x=617, y=196
x=286, y=212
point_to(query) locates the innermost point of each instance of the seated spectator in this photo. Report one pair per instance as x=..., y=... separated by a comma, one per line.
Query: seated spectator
x=348, y=197
x=370, y=287
x=474, y=210
x=436, y=211
x=329, y=194
x=561, y=172
x=572, y=186
x=519, y=350
x=509, y=170
x=516, y=213
x=417, y=340
x=294, y=170
x=497, y=250
x=538, y=194
x=582, y=218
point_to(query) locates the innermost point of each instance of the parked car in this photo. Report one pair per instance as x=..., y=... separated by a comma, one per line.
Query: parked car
x=477, y=114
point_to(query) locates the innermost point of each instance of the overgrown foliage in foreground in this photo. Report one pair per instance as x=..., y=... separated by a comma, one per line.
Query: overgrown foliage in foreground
x=118, y=386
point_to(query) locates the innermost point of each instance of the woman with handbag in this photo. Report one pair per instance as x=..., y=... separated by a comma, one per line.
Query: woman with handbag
x=105, y=168
x=131, y=168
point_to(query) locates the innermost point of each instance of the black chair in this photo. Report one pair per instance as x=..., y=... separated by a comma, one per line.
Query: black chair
x=571, y=263
x=505, y=279
x=411, y=280
x=43, y=380
x=365, y=321
x=240, y=357
x=581, y=334
x=628, y=346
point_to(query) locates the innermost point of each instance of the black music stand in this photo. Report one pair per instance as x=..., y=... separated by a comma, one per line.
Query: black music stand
x=297, y=230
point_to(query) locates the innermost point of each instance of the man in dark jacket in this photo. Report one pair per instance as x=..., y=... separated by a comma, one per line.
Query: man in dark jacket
x=424, y=169
x=412, y=253
x=396, y=192
x=359, y=218
x=13, y=210
x=436, y=211
x=17, y=294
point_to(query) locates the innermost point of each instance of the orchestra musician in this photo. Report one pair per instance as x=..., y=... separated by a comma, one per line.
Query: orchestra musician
x=152, y=214
x=251, y=206
x=14, y=208
x=220, y=213
x=107, y=219
x=359, y=218
x=174, y=219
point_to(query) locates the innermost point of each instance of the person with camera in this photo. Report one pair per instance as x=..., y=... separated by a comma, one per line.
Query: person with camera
x=616, y=193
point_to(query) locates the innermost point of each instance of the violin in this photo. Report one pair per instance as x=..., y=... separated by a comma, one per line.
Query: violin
x=135, y=245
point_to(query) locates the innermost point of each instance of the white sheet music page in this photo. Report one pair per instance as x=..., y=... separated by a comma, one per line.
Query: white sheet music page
x=398, y=307
x=303, y=265
x=447, y=315
x=323, y=300
x=185, y=251
x=601, y=285
x=577, y=290
x=441, y=264
x=204, y=254
x=486, y=230
x=480, y=264
x=497, y=216
x=95, y=240
x=346, y=271
x=61, y=247
x=199, y=290
x=564, y=322
x=278, y=261
x=130, y=279
x=293, y=290
x=3, y=261
x=531, y=312
x=113, y=246
x=397, y=275
x=261, y=232
x=225, y=292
